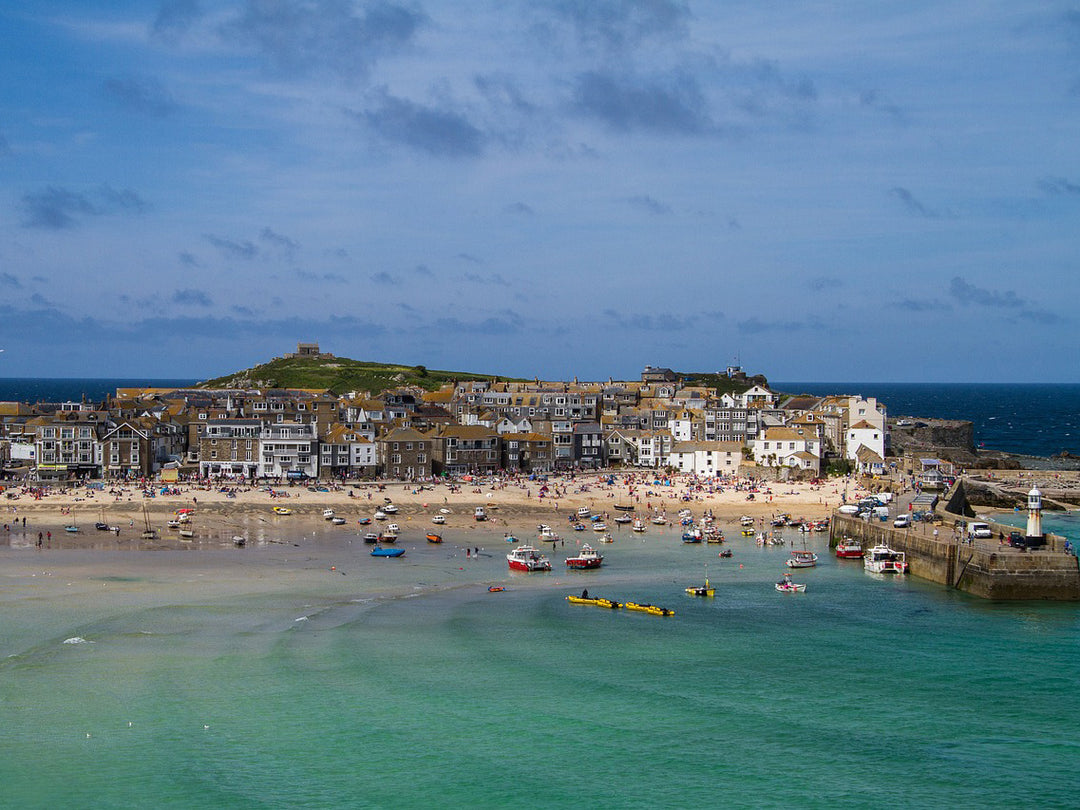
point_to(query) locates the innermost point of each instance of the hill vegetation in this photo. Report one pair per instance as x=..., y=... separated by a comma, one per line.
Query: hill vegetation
x=339, y=374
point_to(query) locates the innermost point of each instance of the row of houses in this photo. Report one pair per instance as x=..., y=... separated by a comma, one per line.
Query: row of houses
x=476, y=426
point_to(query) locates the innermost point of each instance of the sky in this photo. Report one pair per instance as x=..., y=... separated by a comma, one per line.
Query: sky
x=826, y=190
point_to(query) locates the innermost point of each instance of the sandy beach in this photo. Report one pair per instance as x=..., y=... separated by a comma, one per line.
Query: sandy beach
x=512, y=505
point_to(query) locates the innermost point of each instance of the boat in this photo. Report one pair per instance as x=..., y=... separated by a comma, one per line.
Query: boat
x=714, y=536
x=653, y=609
x=371, y=537
x=623, y=519
x=547, y=534
x=434, y=538
x=379, y=551
x=496, y=588
x=380, y=514
x=692, y=536
x=606, y=539
x=659, y=520
x=801, y=559
x=578, y=527
x=619, y=507
x=748, y=532
x=725, y=553
x=599, y=527
x=639, y=525
x=849, y=548
x=596, y=601
x=393, y=528
x=282, y=510
x=588, y=557
x=702, y=590
x=172, y=523
x=440, y=519
x=584, y=511
x=328, y=514
x=187, y=532
x=479, y=513
x=337, y=520
x=527, y=558
x=746, y=520
x=883, y=560
x=785, y=585
x=148, y=533
x=364, y=521
x=390, y=509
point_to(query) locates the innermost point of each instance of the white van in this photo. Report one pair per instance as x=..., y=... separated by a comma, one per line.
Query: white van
x=980, y=531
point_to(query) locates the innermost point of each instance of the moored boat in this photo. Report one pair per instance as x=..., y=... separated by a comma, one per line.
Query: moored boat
x=801, y=559
x=623, y=519
x=378, y=551
x=432, y=537
x=328, y=514
x=639, y=525
x=371, y=537
x=278, y=510
x=337, y=520
x=596, y=601
x=849, y=548
x=479, y=514
x=883, y=560
x=785, y=585
x=653, y=609
x=702, y=590
x=588, y=557
x=440, y=519
x=527, y=558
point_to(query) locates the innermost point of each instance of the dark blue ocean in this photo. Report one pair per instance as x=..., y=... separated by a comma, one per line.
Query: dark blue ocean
x=1039, y=420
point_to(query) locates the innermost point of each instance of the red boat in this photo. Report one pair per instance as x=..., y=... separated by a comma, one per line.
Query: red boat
x=587, y=558
x=527, y=558
x=849, y=548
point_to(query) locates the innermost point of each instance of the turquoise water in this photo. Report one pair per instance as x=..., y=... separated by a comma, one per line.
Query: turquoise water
x=317, y=676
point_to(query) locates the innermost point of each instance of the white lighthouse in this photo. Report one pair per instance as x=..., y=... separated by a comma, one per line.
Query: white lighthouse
x=1034, y=527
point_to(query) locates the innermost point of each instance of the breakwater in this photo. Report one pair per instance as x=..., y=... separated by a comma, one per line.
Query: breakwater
x=981, y=569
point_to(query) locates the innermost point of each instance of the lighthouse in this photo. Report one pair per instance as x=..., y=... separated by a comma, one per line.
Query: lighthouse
x=1034, y=527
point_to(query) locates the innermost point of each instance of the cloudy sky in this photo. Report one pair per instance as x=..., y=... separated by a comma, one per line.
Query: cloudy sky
x=825, y=190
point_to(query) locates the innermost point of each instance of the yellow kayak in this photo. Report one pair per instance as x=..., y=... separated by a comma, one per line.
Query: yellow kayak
x=653, y=609
x=596, y=601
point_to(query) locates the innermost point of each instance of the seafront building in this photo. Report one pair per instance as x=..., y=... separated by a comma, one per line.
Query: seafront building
x=471, y=426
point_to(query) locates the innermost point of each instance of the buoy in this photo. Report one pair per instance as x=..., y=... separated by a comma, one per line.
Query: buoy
x=333, y=568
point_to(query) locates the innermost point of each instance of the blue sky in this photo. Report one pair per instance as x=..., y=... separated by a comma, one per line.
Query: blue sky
x=825, y=190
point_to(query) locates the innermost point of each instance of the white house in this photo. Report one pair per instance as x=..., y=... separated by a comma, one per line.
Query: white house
x=785, y=447
x=288, y=450
x=706, y=459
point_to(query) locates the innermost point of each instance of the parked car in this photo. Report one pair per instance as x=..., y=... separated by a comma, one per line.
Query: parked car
x=901, y=522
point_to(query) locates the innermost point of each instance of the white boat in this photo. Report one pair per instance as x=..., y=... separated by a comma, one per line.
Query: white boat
x=599, y=527
x=438, y=519
x=746, y=520
x=639, y=525
x=337, y=521
x=801, y=559
x=328, y=514
x=393, y=528
x=584, y=511
x=785, y=585
x=527, y=558
x=623, y=519
x=660, y=520
x=479, y=513
x=548, y=534
x=380, y=514
x=883, y=560
x=390, y=509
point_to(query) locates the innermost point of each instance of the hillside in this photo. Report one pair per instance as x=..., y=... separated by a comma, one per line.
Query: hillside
x=339, y=374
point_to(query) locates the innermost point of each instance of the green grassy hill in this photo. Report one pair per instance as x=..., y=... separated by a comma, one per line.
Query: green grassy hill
x=339, y=374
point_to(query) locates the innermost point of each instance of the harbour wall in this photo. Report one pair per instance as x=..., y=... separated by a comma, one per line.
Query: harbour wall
x=980, y=569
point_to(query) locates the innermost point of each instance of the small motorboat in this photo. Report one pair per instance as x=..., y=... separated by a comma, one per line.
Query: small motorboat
x=371, y=537
x=527, y=558
x=623, y=519
x=496, y=589
x=785, y=585
x=434, y=538
x=378, y=551
x=328, y=514
x=364, y=521
x=702, y=590
x=440, y=519
x=599, y=527
x=725, y=553
x=479, y=514
x=639, y=525
x=380, y=514
x=588, y=557
x=282, y=510
x=187, y=532
x=393, y=528
x=337, y=520
x=583, y=511
x=239, y=540
x=883, y=560
x=801, y=559
x=390, y=509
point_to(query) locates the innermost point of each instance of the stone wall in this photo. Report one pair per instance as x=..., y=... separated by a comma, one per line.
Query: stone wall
x=978, y=570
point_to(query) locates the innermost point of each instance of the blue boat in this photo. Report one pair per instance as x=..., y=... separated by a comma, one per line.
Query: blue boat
x=387, y=552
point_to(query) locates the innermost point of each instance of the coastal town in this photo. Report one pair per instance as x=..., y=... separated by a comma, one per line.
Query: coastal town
x=471, y=427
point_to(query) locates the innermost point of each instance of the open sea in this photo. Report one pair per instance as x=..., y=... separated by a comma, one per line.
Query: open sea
x=300, y=672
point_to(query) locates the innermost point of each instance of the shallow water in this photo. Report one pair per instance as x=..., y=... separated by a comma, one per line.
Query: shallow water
x=318, y=676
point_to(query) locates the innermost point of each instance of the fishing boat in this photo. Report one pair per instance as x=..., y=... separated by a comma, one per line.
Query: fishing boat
x=282, y=510
x=337, y=520
x=380, y=514
x=527, y=558
x=714, y=536
x=748, y=532
x=328, y=514
x=801, y=559
x=390, y=509
x=883, y=560
x=692, y=535
x=623, y=519
x=639, y=525
x=371, y=537
x=479, y=514
x=746, y=520
x=606, y=539
x=547, y=534
x=599, y=527
x=849, y=548
x=588, y=557
x=379, y=551
x=785, y=585
x=440, y=519
x=432, y=537
x=659, y=520
x=702, y=590
x=595, y=601
x=393, y=528
x=584, y=511
x=653, y=609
